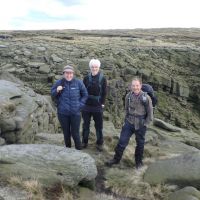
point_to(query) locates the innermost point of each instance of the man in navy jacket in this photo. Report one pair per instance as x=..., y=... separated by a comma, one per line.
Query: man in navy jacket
x=71, y=95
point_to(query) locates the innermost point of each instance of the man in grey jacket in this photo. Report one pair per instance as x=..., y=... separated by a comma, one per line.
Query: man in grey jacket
x=139, y=113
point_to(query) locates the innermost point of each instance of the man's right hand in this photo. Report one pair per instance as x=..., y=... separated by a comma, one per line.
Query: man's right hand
x=59, y=88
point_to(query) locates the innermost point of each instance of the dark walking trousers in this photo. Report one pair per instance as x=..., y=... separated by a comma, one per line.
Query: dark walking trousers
x=98, y=120
x=70, y=125
x=127, y=131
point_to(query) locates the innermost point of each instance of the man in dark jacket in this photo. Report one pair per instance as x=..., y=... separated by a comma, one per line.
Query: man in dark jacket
x=139, y=113
x=71, y=96
x=96, y=85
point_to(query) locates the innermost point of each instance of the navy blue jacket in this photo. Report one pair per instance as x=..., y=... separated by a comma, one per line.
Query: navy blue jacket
x=72, y=98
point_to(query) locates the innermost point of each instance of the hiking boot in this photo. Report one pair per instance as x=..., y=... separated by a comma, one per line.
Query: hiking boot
x=139, y=165
x=99, y=147
x=84, y=145
x=112, y=162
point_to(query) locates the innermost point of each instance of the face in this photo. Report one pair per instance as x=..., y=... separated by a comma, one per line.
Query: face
x=68, y=75
x=136, y=86
x=94, y=69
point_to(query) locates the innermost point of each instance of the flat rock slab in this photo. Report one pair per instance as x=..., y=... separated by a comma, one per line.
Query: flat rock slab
x=187, y=193
x=49, y=164
x=183, y=170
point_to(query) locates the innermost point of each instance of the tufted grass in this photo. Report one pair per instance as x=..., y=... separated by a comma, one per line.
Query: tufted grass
x=36, y=191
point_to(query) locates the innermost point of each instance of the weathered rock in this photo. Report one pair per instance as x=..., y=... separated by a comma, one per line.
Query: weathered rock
x=44, y=69
x=41, y=49
x=2, y=141
x=179, y=135
x=49, y=164
x=7, y=67
x=47, y=138
x=181, y=89
x=56, y=59
x=182, y=170
x=3, y=46
x=165, y=125
x=167, y=148
x=187, y=193
x=161, y=81
x=11, y=69
x=12, y=193
x=27, y=53
x=109, y=130
x=36, y=65
x=21, y=111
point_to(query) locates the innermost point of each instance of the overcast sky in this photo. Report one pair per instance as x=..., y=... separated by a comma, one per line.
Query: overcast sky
x=98, y=14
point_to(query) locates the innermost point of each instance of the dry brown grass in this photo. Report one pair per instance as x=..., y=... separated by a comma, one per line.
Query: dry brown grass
x=66, y=194
x=36, y=191
x=33, y=187
x=128, y=183
x=161, y=191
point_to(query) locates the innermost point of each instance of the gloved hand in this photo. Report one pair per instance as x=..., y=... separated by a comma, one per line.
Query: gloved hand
x=59, y=89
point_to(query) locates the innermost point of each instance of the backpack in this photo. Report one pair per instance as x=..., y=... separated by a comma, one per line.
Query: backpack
x=149, y=90
x=55, y=99
x=100, y=86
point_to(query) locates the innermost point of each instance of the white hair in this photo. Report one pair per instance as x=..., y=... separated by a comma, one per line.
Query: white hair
x=94, y=62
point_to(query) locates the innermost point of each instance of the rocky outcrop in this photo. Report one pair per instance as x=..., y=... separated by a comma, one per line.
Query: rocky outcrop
x=168, y=60
x=23, y=113
x=182, y=170
x=49, y=164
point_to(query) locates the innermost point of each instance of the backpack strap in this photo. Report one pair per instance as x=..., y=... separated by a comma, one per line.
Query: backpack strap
x=99, y=83
x=143, y=99
x=129, y=101
x=90, y=79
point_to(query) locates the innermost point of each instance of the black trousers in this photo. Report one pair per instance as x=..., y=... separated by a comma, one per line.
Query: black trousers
x=127, y=131
x=98, y=120
x=70, y=125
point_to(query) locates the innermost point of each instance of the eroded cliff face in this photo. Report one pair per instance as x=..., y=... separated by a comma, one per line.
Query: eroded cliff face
x=169, y=59
x=23, y=113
